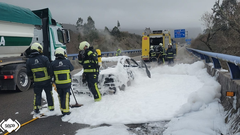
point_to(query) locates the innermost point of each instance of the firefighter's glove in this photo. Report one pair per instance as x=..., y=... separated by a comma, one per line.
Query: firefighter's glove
x=81, y=55
x=84, y=79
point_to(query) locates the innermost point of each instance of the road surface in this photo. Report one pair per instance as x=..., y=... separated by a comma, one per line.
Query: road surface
x=19, y=105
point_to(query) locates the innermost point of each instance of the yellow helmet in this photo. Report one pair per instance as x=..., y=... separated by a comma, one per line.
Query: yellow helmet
x=60, y=51
x=36, y=47
x=83, y=44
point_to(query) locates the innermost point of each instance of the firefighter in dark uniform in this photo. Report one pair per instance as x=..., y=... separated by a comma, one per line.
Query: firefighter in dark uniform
x=88, y=58
x=62, y=77
x=170, y=54
x=152, y=54
x=39, y=69
x=161, y=54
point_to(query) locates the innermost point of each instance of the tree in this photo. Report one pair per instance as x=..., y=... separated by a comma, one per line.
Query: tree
x=89, y=26
x=106, y=29
x=222, y=31
x=222, y=19
x=208, y=21
x=79, y=23
x=115, y=31
x=91, y=23
x=118, y=24
x=93, y=35
x=227, y=14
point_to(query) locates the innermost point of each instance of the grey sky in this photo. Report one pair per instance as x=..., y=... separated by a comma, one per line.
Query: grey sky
x=135, y=14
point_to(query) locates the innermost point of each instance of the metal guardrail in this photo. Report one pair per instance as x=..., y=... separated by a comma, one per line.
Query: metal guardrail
x=233, y=62
x=113, y=53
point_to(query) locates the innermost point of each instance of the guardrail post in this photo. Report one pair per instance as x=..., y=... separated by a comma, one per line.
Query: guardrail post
x=202, y=56
x=196, y=53
x=234, y=70
x=207, y=59
x=216, y=63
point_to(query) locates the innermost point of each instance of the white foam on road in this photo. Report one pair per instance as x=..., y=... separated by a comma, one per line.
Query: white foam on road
x=171, y=93
x=147, y=99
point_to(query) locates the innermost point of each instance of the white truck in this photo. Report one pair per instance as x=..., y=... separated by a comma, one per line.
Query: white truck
x=19, y=27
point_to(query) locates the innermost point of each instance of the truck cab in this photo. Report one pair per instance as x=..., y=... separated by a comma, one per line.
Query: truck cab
x=19, y=28
x=52, y=35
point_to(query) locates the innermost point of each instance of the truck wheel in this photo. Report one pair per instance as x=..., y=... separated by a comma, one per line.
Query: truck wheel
x=22, y=80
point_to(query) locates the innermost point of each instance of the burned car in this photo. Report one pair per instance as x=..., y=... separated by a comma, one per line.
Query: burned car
x=116, y=73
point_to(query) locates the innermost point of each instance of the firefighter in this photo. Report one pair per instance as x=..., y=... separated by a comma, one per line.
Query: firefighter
x=118, y=53
x=62, y=77
x=88, y=58
x=161, y=56
x=39, y=69
x=170, y=54
x=152, y=54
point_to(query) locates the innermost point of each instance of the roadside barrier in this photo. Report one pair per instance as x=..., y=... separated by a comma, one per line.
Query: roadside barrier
x=233, y=62
x=230, y=84
x=112, y=53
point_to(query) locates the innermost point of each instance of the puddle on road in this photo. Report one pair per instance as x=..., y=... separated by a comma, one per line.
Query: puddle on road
x=152, y=128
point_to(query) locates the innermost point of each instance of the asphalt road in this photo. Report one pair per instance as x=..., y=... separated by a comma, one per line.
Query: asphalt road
x=183, y=56
x=19, y=105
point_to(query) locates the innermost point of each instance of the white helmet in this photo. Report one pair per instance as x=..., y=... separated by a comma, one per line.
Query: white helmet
x=151, y=47
x=161, y=44
x=36, y=47
x=170, y=44
x=83, y=44
x=60, y=51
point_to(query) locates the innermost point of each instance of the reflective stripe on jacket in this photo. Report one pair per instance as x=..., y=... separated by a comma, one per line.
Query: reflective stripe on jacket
x=90, y=61
x=170, y=53
x=162, y=51
x=39, y=67
x=61, y=70
x=37, y=73
x=152, y=53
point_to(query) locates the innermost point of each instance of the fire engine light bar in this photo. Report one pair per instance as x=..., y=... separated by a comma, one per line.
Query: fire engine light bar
x=8, y=77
